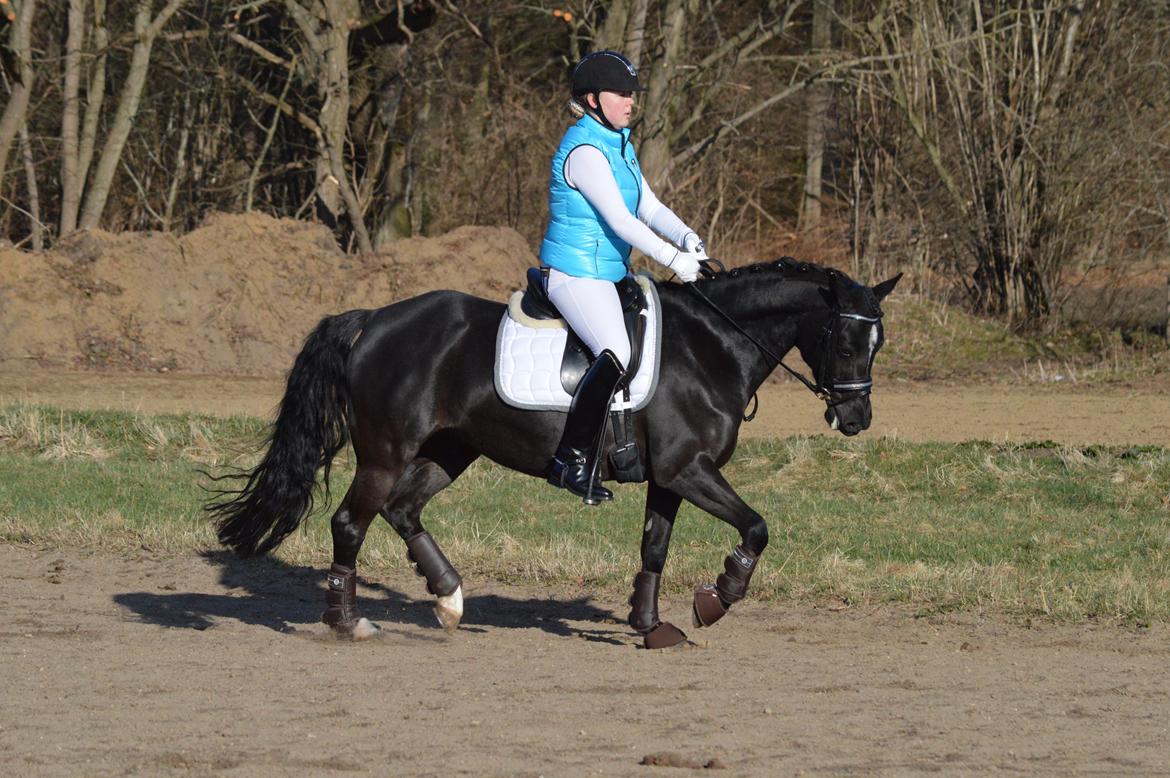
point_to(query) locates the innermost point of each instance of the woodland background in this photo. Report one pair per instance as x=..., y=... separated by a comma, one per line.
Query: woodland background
x=1005, y=153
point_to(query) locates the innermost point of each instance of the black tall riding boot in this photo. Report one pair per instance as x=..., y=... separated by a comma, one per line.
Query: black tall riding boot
x=574, y=465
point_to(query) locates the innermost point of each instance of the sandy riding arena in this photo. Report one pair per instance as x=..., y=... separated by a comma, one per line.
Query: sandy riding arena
x=210, y=666
x=140, y=664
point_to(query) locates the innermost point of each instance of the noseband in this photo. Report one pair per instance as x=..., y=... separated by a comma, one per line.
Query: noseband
x=832, y=392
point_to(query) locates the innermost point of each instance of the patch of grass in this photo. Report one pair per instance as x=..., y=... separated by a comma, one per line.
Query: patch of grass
x=1035, y=529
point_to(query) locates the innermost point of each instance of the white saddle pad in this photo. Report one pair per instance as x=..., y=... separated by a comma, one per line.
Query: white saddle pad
x=529, y=352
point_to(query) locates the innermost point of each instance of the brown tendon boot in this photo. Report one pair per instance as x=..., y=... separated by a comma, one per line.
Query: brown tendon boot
x=644, y=614
x=430, y=562
x=712, y=602
x=342, y=612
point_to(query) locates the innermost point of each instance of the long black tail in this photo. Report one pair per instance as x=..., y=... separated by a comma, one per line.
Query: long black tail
x=309, y=431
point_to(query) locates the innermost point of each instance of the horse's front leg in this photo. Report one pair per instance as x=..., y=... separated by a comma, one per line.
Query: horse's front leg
x=702, y=484
x=661, y=508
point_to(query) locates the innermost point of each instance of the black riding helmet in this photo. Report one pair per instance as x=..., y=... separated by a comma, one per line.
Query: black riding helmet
x=604, y=71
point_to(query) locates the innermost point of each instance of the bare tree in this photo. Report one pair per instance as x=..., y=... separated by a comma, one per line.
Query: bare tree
x=612, y=34
x=981, y=95
x=624, y=29
x=95, y=93
x=662, y=103
x=146, y=29
x=70, y=117
x=817, y=117
x=978, y=138
x=329, y=29
x=34, y=196
x=20, y=87
x=325, y=26
x=77, y=141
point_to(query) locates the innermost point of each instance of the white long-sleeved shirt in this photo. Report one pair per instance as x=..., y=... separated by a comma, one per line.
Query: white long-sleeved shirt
x=587, y=170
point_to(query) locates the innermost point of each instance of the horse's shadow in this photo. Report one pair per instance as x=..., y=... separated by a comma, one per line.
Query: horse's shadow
x=288, y=598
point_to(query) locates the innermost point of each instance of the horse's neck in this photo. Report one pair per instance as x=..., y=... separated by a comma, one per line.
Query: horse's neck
x=768, y=306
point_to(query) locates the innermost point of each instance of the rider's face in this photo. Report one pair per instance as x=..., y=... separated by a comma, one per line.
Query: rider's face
x=618, y=107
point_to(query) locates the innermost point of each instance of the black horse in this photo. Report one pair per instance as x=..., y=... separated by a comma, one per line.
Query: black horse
x=411, y=386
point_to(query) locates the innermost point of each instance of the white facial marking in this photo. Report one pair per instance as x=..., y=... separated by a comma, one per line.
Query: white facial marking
x=873, y=340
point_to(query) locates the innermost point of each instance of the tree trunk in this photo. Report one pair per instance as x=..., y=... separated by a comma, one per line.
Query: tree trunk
x=34, y=197
x=94, y=95
x=624, y=29
x=661, y=102
x=612, y=34
x=70, y=117
x=179, y=171
x=636, y=32
x=326, y=34
x=335, y=111
x=17, y=107
x=146, y=30
x=817, y=116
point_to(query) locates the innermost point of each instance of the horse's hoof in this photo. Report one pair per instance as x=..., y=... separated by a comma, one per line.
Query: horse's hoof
x=708, y=608
x=361, y=629
x=364, y=629
x=664, y=635
x=449, y=610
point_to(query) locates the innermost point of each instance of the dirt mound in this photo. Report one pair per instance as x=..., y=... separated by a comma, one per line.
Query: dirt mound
x=235, y=296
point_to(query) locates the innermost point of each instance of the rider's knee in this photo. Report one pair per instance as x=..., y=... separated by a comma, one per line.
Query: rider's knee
x=622, y=352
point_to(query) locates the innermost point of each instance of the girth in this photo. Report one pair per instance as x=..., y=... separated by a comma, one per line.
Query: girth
x=577, y=358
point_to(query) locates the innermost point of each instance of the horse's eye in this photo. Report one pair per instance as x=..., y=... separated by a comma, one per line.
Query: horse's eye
x=846, y=353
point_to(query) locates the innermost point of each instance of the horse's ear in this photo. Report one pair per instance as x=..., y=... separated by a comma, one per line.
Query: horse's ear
x=885, y=287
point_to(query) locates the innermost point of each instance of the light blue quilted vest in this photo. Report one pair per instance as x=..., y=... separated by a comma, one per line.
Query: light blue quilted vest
x=578, y=241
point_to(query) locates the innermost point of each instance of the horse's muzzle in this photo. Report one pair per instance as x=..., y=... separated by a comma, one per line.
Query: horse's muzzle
x=849, y=417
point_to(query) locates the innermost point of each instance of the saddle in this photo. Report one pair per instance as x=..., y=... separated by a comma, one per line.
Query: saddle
x=576, y=360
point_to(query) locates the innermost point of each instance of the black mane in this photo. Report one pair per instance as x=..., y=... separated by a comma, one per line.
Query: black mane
x=787, y=267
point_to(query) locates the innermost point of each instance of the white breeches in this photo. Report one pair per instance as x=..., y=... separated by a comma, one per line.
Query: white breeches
x=593, y=311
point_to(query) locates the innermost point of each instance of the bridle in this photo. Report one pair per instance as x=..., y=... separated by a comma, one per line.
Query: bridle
x=832, y=392
x=836, y=392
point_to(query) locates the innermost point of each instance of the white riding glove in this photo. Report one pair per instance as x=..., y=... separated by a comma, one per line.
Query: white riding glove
x=686, y=265
x=694, y=244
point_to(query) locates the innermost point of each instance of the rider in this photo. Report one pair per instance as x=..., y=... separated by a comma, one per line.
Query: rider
x=600, y=207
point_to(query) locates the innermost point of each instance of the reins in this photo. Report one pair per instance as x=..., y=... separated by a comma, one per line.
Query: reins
x=821, y=392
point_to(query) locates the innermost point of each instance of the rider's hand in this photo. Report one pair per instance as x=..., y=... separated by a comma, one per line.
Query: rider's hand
x=686, y=265
x=694, y=244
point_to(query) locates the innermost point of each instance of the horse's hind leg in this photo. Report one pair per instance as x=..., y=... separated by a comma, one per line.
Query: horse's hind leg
x=366, y=494
x=661, y=508
x=436, y=466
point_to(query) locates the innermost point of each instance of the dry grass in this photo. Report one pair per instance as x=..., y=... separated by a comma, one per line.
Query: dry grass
x=1060, y=532
x=48, y=435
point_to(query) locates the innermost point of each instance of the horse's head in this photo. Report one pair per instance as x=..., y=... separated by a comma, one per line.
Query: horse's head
x=841, y=351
